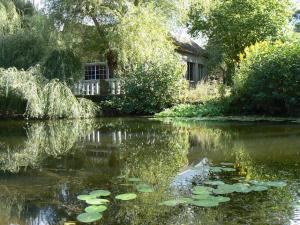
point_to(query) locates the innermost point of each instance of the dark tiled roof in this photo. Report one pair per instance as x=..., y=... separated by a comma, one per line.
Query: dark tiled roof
x=189, y=46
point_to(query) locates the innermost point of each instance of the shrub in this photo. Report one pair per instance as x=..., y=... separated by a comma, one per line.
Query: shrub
x=29, y=93
x=268, y=79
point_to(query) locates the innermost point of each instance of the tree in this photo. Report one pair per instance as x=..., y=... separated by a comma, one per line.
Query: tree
x=232, y=25
x=98, y=19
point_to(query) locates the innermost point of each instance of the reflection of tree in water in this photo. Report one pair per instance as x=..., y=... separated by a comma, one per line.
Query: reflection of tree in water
x=43, y=140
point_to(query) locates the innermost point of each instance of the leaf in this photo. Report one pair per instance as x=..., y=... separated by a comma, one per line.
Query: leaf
x=259, y=188
x=227, y=164
x=85, y=197
x=222, y=199
x=173, y=202
x=97, y=201
x=89, y=217
x=99, y=193
x=202, y=190
x=126, y=197
x=205, y=203
x=95, y=208
x=145, y=188
x=228, y=169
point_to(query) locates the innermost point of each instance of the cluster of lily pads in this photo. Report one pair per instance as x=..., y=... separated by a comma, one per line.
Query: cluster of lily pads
x=212, y=192
x=98, y=203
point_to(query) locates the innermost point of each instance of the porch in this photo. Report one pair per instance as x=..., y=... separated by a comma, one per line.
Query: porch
x=101, y=87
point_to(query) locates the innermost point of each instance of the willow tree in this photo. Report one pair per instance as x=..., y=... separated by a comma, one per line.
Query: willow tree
x=92, y=22
x=232, y=25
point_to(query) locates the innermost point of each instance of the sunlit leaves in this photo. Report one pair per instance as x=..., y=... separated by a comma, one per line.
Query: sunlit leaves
x=89, y=217
x=126, y=197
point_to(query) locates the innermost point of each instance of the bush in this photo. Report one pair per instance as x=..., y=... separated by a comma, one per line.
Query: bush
x=153, y=89
x=28, y=93
x=268, y=79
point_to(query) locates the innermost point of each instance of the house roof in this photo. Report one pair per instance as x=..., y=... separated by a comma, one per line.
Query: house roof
x=185, y=45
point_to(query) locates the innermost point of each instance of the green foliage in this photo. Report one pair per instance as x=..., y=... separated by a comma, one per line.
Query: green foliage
x=268, y=80
x=232, y=25
x=63, y=65
x=43, y=99
x=10, y=20
x=148, y=64
x=217, y=107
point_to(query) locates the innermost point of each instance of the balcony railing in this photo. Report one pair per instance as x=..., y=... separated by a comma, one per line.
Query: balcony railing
x=98, y=87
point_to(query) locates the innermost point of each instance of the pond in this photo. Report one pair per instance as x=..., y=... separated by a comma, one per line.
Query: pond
x=45, y=166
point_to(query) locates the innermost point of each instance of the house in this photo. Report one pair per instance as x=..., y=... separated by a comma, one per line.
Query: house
x=191, y=54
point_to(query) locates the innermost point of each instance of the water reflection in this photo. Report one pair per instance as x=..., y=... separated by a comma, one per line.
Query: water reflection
x=45, y=165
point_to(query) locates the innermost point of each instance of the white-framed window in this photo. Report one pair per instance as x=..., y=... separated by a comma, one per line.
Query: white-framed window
x=95, y=71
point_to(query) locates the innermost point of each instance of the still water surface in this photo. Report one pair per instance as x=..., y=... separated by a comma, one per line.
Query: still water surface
x=45, y=165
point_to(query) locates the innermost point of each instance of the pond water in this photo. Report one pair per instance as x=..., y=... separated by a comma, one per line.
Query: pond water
x=44, y=166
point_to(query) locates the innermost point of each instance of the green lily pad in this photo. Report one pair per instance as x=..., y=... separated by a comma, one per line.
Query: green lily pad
x=276, y=184
x=201, y=197
x=228, y=169
x=222, y=199
x=216, y=169
x=89, y=217
x=259, y=188
x=145, y=188
x=202, y=190
x=205, y=203
x=85, y=197
x=95, y=208
x=242, y=188
x=221, y=169
x=173, y=202
x=134, y=179
x=97, y=201
x=230, y=188
x=227, y=164
x=187, y=200
x=214, y=183
x=99, y=193
x=126, y=197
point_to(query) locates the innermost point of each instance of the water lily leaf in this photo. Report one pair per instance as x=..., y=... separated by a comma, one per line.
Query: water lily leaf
x=174, y=202
x=97, y=201
x=202, y=190
x=187, y=200
x=227, y=164
x=201, y=197
x=228, y=169
x=276, y=183
x=214, y=183
x=242, y=188
x=134, y=179
x=205, y=203
x=145, y=188
x=222, y=199
x=95, y=208
x=216, y=169
x=121, y=177
x=85, y=197
x=89, y=217
x=99, y=193
x=126, y=197
x=259, y=188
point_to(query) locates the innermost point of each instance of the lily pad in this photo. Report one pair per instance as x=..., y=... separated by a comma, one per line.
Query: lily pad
x=201, y=197
x=205, y=203
x=89, y=217
x=95, y=208
x=99, y=193
x=230, y=188
x=229, y=169
x=202, y=190
x=227, y=164
x=145, y=188
x=216, y=169
x=214, y=183
x=259, y=188
x=97, y=201
x=85, y=197
x=126, y=197
x=269, y=183
x=222, y=199
x=134, y=179
x=174, y=202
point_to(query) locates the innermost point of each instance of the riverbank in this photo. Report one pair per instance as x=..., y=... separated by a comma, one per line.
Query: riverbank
x=238, y=119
